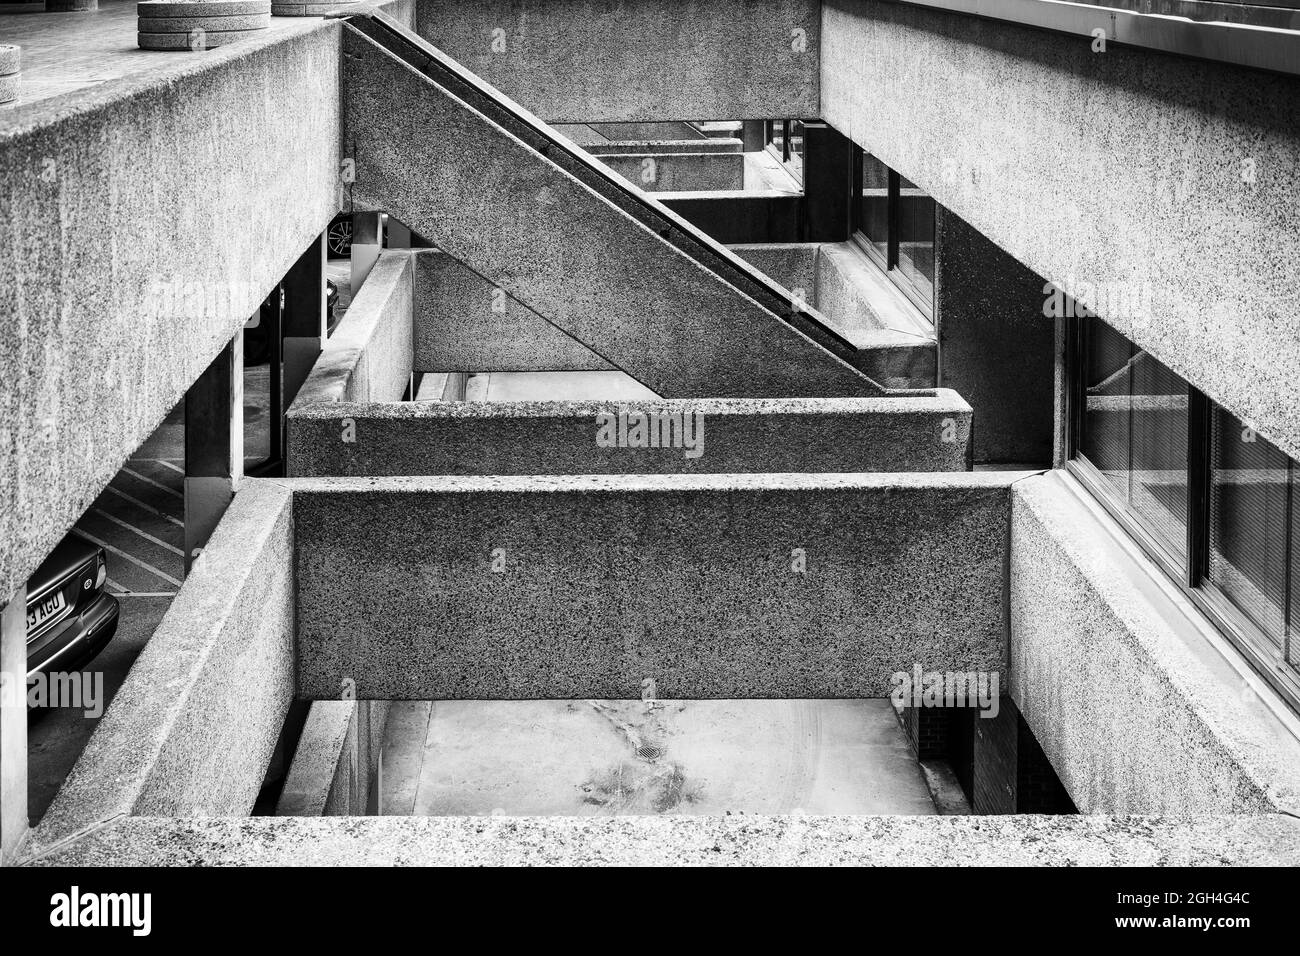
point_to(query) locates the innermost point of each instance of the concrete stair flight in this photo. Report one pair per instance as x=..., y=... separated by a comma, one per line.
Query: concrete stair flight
x=524, y=207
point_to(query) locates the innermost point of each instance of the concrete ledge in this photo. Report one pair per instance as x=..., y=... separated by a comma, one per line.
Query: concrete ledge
x=1139, y=707
x=662, y=147
x=1271, y=840
x=368, y=358
x=715, y=586
x=677, y=171
x=191, y=731
x=335, y=767
x=464, y=323
x=551, y=438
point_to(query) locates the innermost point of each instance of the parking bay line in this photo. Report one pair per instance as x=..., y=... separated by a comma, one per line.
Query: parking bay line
x=147, y=507
x=156, y=484
x=134, y=560
x=144, y=534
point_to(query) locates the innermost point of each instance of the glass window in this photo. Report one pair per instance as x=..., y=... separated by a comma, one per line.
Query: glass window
x=916, y=238
x=1249, y=496
x=1135, y=433
x=894, y=221
x=873, y=205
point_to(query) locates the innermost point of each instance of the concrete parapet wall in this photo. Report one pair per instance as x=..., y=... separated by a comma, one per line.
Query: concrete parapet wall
x=191, y=731
x=685, y=840
x=465, y=323
x=582, y=586
x=678, y=171
x=1138, y=708
x=548, y=438
x=335, y=770
x=584, y=61
x=1177, y=205
x=369, y=356
x=896, y=344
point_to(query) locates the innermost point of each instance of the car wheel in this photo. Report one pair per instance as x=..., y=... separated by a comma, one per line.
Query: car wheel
x=339, y=238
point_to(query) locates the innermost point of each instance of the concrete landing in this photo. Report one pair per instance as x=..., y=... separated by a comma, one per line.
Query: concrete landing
x=630, y=757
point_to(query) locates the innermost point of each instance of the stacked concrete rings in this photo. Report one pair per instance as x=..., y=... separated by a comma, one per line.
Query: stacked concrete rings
x=199, y=24
x=307, y=8
x=10, y=65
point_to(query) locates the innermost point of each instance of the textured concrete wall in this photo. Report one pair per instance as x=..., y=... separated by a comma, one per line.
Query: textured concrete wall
x=569, y=249
x=552, y=438
x=1137, y=709
x=995, y=345
x=145, y=220
x=1129, y=169
x=191, y=731
x=691, y=580
x=683, y=839
x=678, y=172
x=464, y=323
x=790, y=264
x=581, y=61
x=369, y=356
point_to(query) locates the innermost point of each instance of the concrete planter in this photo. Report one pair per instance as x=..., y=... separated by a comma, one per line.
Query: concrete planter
x=10, y=66
x=199, y=24
x=307, y=9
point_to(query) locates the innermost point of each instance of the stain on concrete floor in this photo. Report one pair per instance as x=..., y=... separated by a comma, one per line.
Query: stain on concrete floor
x=633, y=757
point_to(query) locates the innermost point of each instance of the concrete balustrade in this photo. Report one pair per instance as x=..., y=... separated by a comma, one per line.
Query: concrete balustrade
x=896, y=345
x=631, y=437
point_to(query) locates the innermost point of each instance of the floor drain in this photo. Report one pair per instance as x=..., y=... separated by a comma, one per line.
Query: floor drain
x=648, y=752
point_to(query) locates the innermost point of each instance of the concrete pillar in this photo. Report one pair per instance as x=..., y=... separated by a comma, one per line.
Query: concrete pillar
x=996, y=348
x=827, y=184
x=13, y=724
x=306, y=324
x=753, y=135
x=214, y=445
x=367, y=243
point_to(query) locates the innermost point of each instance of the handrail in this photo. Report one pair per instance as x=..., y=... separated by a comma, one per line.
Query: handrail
x=486, y=99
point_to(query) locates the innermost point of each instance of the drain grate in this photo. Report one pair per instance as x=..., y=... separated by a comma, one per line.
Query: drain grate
x=649, y=752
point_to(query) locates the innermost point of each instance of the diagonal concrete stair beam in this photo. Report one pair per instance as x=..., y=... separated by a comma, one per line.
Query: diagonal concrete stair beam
x=528, y=210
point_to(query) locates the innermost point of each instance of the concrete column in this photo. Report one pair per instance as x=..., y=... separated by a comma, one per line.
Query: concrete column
x=306, y=324
x=752, y=135
x=827, y=184
x=13, y=724
x=214, y=445
x=367, y=243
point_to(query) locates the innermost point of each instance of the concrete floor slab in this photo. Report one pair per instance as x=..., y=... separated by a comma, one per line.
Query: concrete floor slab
x=632, y=757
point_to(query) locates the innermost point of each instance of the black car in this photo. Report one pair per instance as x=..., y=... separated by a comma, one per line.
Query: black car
x=257, y=341
x=69, y=615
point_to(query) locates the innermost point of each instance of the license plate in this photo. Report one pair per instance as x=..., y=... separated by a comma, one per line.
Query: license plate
x=50, y=606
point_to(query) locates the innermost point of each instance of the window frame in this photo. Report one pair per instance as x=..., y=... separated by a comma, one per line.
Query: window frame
x=1192, y=580
x=889, y=262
